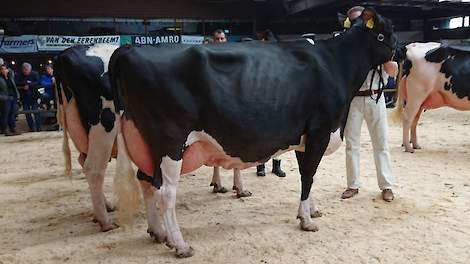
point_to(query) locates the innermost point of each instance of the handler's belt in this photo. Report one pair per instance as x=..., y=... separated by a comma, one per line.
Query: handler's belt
x=366, y=93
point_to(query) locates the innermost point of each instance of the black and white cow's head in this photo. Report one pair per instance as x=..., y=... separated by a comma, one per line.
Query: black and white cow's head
x=380, y=38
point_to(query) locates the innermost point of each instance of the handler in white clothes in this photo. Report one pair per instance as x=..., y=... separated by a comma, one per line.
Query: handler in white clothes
x=365, y=107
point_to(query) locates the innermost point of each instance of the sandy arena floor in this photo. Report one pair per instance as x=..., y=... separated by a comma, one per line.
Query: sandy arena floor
x=46, y=217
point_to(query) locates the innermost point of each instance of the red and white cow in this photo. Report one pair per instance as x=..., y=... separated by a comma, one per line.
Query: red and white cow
x=434, y=75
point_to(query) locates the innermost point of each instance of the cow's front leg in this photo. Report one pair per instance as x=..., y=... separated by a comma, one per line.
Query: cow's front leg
x=308, y=163
x=94, y=167
x=238, y=185
x=216, y=182
x=170, y=173
x=155, y=226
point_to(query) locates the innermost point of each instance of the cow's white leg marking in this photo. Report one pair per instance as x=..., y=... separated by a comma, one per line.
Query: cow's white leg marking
x=304, y=214
x=238, y=184
x=170, y=175
x=155, y=226
x=99, y=151
x=217, y=182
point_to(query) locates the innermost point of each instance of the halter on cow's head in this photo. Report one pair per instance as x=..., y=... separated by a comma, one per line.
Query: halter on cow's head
x=379, y=33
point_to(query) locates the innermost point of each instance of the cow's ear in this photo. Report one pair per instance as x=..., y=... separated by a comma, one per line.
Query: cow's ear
x=344, y=21
x=369, y=16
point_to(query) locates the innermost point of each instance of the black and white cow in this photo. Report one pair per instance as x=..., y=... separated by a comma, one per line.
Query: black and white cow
x=188, y=106
x=434, y=75
x=87, y=115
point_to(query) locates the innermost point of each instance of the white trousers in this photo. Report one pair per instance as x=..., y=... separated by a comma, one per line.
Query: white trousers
x=364, y=107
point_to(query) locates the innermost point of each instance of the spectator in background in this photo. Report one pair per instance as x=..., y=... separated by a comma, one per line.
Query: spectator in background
x=1, y=63
x=207, y=41
x=8, y=101
x=27, y=82
x=47, y=81
x=266, y=35
x=219, y=36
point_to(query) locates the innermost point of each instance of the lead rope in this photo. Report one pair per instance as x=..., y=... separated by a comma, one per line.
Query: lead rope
x=381, y=84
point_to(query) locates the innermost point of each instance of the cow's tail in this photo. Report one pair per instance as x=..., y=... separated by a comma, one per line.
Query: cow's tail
x=398, y=110
x=61, y=119
x=126, y=187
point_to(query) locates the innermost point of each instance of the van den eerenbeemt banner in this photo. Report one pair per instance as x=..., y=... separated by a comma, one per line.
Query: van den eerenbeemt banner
x=56, y=43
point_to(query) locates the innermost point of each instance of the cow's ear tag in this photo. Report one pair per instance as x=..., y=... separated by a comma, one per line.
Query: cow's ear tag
x=370, y=23
x=347, y=23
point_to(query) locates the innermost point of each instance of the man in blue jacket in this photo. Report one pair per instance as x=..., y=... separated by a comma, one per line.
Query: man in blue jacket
x=47, y=81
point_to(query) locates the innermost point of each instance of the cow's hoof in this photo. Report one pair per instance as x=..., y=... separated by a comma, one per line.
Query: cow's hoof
x=218, y=189
x=169, y=244
x=317, y=213
x=159, y=238
x=312, y=227
x=108, y=227
x=244, y=193
x=416, y=146
x=185, y=253
x=110, y=208
x=410, y=150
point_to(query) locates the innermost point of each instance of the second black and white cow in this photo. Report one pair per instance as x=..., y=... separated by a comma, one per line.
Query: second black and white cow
x=188, y=106
x=88, y=117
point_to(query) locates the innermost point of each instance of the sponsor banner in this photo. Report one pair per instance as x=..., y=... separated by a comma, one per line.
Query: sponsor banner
x=191, y=39
x=126, y=39
x=154, y=40
x=18, y=44
x=57, y=43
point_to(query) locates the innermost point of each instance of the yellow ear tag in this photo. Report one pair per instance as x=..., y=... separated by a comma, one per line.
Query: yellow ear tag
x=370, y=23
x=347, y=23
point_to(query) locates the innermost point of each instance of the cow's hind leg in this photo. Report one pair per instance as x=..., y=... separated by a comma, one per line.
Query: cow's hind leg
x=414, y=136
x=308, y=163
x=155, y=226
x=216, y=182
x=99, y=151
x=238, y=185
x=169, y=174
x=412, y=108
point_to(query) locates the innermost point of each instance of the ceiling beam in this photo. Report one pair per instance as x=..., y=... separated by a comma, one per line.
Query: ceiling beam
x=296, y=6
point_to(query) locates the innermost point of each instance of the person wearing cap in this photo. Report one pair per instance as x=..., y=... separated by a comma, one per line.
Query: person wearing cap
x=366, y=106
x=27, y=82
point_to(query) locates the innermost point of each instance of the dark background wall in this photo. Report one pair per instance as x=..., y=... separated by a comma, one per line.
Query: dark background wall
x=196, y=9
